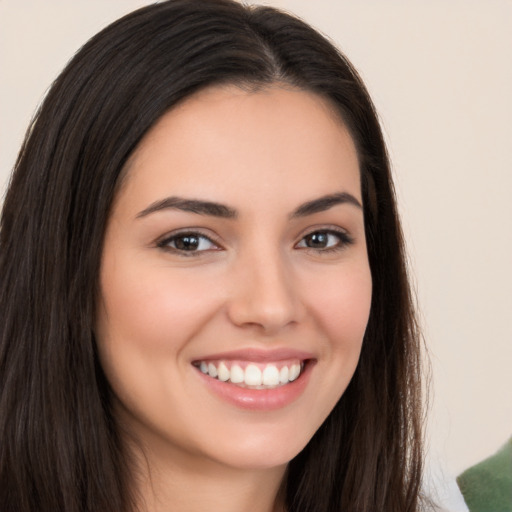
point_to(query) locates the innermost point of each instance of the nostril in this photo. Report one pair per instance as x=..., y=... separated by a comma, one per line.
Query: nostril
x=263, y=290
x=268, y=313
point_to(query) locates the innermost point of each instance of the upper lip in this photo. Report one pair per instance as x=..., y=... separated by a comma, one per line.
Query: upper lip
x=259, y=355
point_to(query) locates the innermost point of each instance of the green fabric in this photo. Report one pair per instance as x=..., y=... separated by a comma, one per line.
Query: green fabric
x=487, y=487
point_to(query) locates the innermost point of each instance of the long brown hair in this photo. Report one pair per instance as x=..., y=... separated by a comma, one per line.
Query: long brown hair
x=60, y=447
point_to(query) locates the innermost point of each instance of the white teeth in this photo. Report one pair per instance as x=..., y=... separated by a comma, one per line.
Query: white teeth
x=294, y=372
x=212, y=370
x=237, y=374
x=270, y=376
x=253, y=375
x=257, y=376
x=224, y=373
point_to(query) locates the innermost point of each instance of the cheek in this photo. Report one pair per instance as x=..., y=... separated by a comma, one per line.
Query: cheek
x=154, y=308
x=342, y=303
x=339, y=306
x=146, y=320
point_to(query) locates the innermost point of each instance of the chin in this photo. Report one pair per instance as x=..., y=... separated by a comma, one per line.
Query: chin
x=269, y=447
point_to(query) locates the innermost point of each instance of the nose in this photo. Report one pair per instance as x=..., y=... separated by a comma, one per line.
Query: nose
x=264, y=294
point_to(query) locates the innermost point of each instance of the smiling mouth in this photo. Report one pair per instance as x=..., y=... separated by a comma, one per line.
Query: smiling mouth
x=252, y=375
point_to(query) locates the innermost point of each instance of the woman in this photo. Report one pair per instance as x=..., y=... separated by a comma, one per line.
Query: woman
x=204, y=295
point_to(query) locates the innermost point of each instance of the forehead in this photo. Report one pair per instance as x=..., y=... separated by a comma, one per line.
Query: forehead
x=226, y=141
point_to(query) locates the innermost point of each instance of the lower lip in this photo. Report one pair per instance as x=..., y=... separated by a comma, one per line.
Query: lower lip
x=260, y=399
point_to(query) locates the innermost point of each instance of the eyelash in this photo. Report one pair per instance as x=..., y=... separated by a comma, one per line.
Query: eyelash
x=165, y=243
x=344, y=240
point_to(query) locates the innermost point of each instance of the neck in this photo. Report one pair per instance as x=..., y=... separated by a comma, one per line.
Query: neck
x=180, y=483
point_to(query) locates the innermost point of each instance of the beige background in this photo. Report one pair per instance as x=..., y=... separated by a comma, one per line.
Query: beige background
x=440, y=73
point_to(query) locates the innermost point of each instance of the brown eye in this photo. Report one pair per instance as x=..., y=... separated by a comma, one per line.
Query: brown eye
x=188, y=242
x=319, y=240
x=327, y=240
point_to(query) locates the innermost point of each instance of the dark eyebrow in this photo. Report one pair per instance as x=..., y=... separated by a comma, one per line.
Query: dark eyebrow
x=324, y=203
x=190, y=205
x=219, y=210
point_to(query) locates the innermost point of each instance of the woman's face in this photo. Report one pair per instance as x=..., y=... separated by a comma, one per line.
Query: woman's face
x=235, y=285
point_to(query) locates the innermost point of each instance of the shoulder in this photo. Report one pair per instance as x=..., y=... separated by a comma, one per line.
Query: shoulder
x=488, y=485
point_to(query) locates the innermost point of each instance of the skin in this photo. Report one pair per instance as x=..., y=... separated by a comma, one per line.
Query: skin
x=256, y=284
